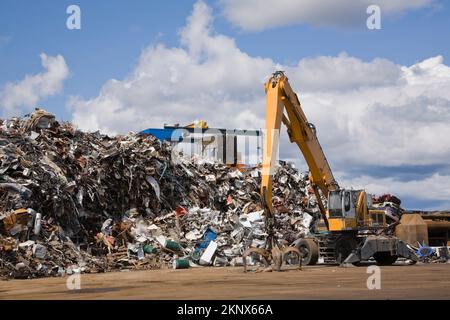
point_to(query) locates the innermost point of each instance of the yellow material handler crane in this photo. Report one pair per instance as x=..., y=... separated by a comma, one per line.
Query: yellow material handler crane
x=354, y=231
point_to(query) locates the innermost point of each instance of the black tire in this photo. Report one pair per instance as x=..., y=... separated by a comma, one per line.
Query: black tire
x=310, y=251
x=344, y=246
x=384, y=258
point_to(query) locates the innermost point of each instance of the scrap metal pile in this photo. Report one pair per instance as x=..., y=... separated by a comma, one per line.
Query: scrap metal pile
x=72, y=201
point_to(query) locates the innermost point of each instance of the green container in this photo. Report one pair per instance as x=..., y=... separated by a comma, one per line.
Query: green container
x=172, y=245
x=149, y=249
x=180, y=264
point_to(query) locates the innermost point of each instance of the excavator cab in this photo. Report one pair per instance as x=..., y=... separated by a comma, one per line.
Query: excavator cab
x=342, y=207
x=344, y=212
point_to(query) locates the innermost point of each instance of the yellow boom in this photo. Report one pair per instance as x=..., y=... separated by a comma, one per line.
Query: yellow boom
x=280, y=97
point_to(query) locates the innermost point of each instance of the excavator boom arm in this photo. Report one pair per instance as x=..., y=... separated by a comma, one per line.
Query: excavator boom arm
x=280, y=97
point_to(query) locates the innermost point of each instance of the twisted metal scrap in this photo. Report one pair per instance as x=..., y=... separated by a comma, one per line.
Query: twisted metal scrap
x=35, y=118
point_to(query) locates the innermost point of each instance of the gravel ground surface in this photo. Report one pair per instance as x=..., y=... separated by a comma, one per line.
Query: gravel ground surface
x=420, y=281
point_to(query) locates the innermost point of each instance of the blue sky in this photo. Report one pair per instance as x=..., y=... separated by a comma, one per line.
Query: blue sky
x=116, y=31
x=116, y=35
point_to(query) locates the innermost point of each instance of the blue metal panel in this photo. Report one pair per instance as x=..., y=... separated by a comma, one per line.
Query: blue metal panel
x=165, y=134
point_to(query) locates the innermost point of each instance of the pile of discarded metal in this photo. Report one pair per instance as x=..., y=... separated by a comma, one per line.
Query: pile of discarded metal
x=72, y=201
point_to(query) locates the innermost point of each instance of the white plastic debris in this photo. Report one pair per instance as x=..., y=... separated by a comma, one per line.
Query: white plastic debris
x=255, y=216
x=207, y=256
x=26, y=244
x=306, y=221
x=37, y=223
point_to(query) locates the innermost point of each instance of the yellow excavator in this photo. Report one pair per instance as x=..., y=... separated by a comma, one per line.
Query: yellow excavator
x=354, y=231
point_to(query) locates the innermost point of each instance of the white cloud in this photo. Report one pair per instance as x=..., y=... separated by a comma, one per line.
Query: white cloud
x=404, y=121
x=25, y=94
x=207, y=78
x=372, y=113
x=435, y=187
x=256, y=15
x=327, y=73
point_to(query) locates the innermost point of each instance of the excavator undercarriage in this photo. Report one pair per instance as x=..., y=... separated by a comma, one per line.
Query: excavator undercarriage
x=351, y=248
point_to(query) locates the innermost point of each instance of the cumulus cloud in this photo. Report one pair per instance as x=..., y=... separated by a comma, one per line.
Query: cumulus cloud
x=254, y=15
x=208, y=77
x=325, y=73
x=402, y=122
x=17, y=97
x=367, y=113
x=435, y=187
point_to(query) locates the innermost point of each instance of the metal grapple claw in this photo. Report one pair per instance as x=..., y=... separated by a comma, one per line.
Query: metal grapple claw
x=274, y=258
x=262, y=252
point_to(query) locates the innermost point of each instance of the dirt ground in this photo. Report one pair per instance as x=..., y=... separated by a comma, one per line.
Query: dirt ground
x=420, y=281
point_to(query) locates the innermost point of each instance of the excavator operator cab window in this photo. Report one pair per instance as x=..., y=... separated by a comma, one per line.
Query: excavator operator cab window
x=335, y=204
x=346, y=201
